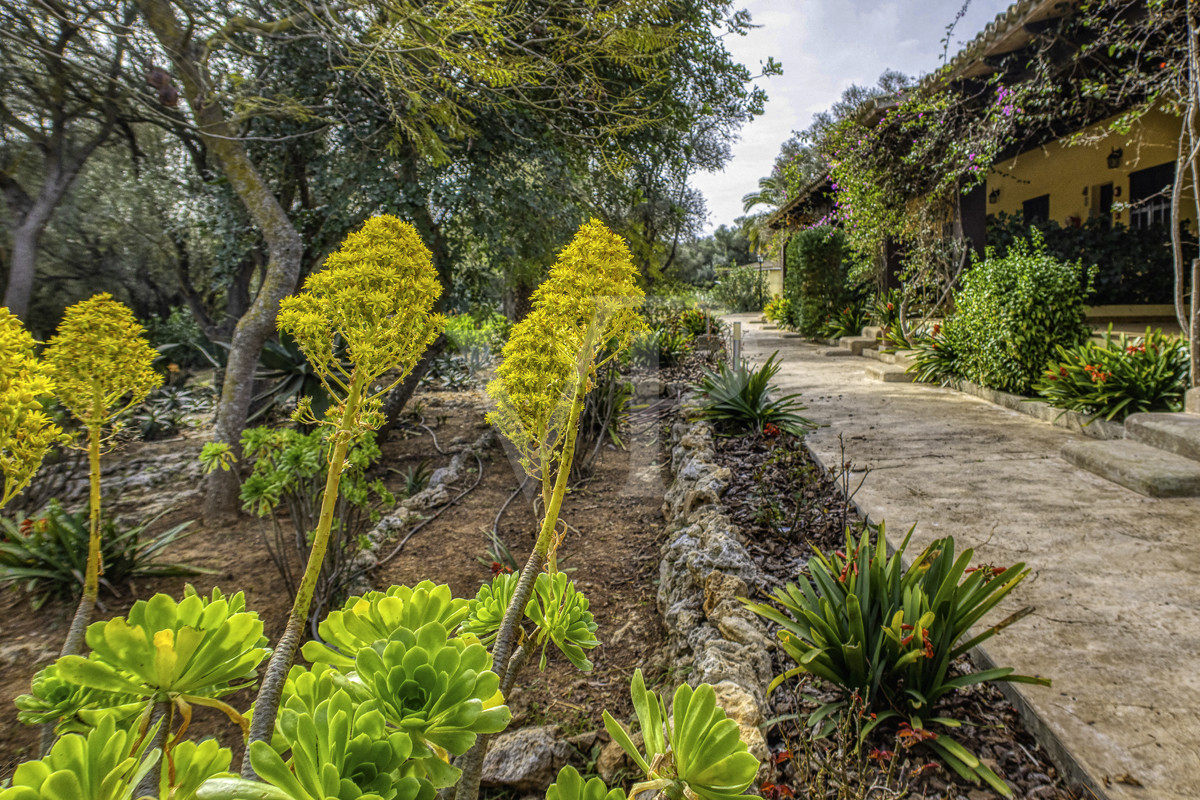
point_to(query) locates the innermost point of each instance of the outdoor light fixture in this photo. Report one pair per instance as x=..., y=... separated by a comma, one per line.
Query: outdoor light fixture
x=994, y=196
x=1116, y=191
x=1085, y=191
x=1114, y=158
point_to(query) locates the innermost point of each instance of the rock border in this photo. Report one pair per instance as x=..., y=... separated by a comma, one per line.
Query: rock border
x=704, y=568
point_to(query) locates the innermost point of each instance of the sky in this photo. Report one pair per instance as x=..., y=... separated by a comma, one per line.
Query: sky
x=824, y=46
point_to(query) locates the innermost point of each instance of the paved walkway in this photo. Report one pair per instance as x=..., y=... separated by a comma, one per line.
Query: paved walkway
x=1115, y=576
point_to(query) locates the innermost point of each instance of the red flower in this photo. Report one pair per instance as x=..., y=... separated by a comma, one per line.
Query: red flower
x=770, y=429
x=881, y=755
x=786, y=755
x=936, y=329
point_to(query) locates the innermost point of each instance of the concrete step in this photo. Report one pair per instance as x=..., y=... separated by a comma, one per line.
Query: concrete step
x=900, y=359
x=873, y=331
x=1140, y=467
x=1175, y=433
x=835, y=352
x=889, y=373
x=856, y=344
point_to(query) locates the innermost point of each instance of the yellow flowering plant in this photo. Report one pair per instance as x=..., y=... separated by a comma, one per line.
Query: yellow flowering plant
x=368, y=313
x=584, y=314
x=26, y=432
x=100, y=363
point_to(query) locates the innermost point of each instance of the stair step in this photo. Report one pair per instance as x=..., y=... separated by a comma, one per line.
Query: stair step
x=1175, y=433
x=872, y=331
x=1140, y=467
x=900, y=359
x=835, y=352
x=889, y=373
x=856, y=344
x=873, y=353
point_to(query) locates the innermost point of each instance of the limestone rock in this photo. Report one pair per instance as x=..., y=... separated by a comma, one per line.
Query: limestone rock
x=613, y=760
x=525, y=759
x=741, y=707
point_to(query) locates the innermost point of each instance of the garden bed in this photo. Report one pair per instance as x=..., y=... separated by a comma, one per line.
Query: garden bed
x=785, y=505
x=612, y=551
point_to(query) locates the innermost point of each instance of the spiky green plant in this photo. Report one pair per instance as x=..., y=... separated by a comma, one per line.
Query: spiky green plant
x=373, y=303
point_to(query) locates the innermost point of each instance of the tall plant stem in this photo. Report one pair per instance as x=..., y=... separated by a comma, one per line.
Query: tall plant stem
x=91, y=581
x=472, y=763
x=266, y=705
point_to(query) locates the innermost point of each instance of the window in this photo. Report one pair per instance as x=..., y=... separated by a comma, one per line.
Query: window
x=1036, y=210
x=1150, y=195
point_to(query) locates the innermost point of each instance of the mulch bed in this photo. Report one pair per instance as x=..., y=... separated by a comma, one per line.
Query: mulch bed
x=786, y=506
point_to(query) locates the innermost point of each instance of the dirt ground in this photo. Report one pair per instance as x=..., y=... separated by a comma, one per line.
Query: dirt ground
x=615, y=517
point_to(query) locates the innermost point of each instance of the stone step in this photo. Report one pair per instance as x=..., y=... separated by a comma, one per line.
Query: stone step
x=889, y=373
x=900, y=359
x=1140, y=467
x=873, y=331
x=1175, y=433
x=856, y=344
x=835, y=352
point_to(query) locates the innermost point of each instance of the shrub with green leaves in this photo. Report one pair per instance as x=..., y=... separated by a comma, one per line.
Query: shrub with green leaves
x=889, y=634
x=1118, y=377
x=741, y=289
x=815, y=282
x=741, y=399
x=847, y=321
x=47, y=556
x=289, y=473
x=1012, y=314
x=934, y=359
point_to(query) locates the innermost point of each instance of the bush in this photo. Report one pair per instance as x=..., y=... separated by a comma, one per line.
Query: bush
x=816, y=279
x=778, y=310
x=661, y=347
x=743, y=400
x=477, y=336
x=1119, y=377
x=849, y=321
x=49, y=554
x=289, y=470
x=741, y=289
x=1013, y=312
x=889, y=634
x=1134, y=265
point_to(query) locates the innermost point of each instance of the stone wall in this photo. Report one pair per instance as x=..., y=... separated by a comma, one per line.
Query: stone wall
x=711, y=637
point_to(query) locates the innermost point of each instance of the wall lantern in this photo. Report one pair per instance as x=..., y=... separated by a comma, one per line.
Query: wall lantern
x=1114, y=158
x=994, y=196
x=1085, y=191
x=1116, y=191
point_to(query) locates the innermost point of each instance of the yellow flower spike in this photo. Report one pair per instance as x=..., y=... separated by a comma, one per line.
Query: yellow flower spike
x=373, y=301
x=375, y=297
x=26, y=432
x=589, y=299
x=100, y=361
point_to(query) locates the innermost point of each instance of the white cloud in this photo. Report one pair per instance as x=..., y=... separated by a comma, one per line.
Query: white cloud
x=826, y=45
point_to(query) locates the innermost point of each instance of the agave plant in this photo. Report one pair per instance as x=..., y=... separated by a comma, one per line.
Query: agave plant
x=742, y=398
x=700, y=755
x=889, y=635
x=48, y=555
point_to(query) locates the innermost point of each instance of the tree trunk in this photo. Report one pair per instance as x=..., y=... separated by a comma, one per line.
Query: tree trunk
x=23, y=261
x=284, y=248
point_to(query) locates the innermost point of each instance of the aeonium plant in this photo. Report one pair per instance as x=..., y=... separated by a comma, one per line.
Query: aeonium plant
x=372, y=302
x=100, y=362
x=26, y=432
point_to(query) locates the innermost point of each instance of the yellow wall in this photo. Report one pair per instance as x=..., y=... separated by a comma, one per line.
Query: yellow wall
x=1063, y=172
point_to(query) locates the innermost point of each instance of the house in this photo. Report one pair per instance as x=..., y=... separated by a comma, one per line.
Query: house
x=1095, y=193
